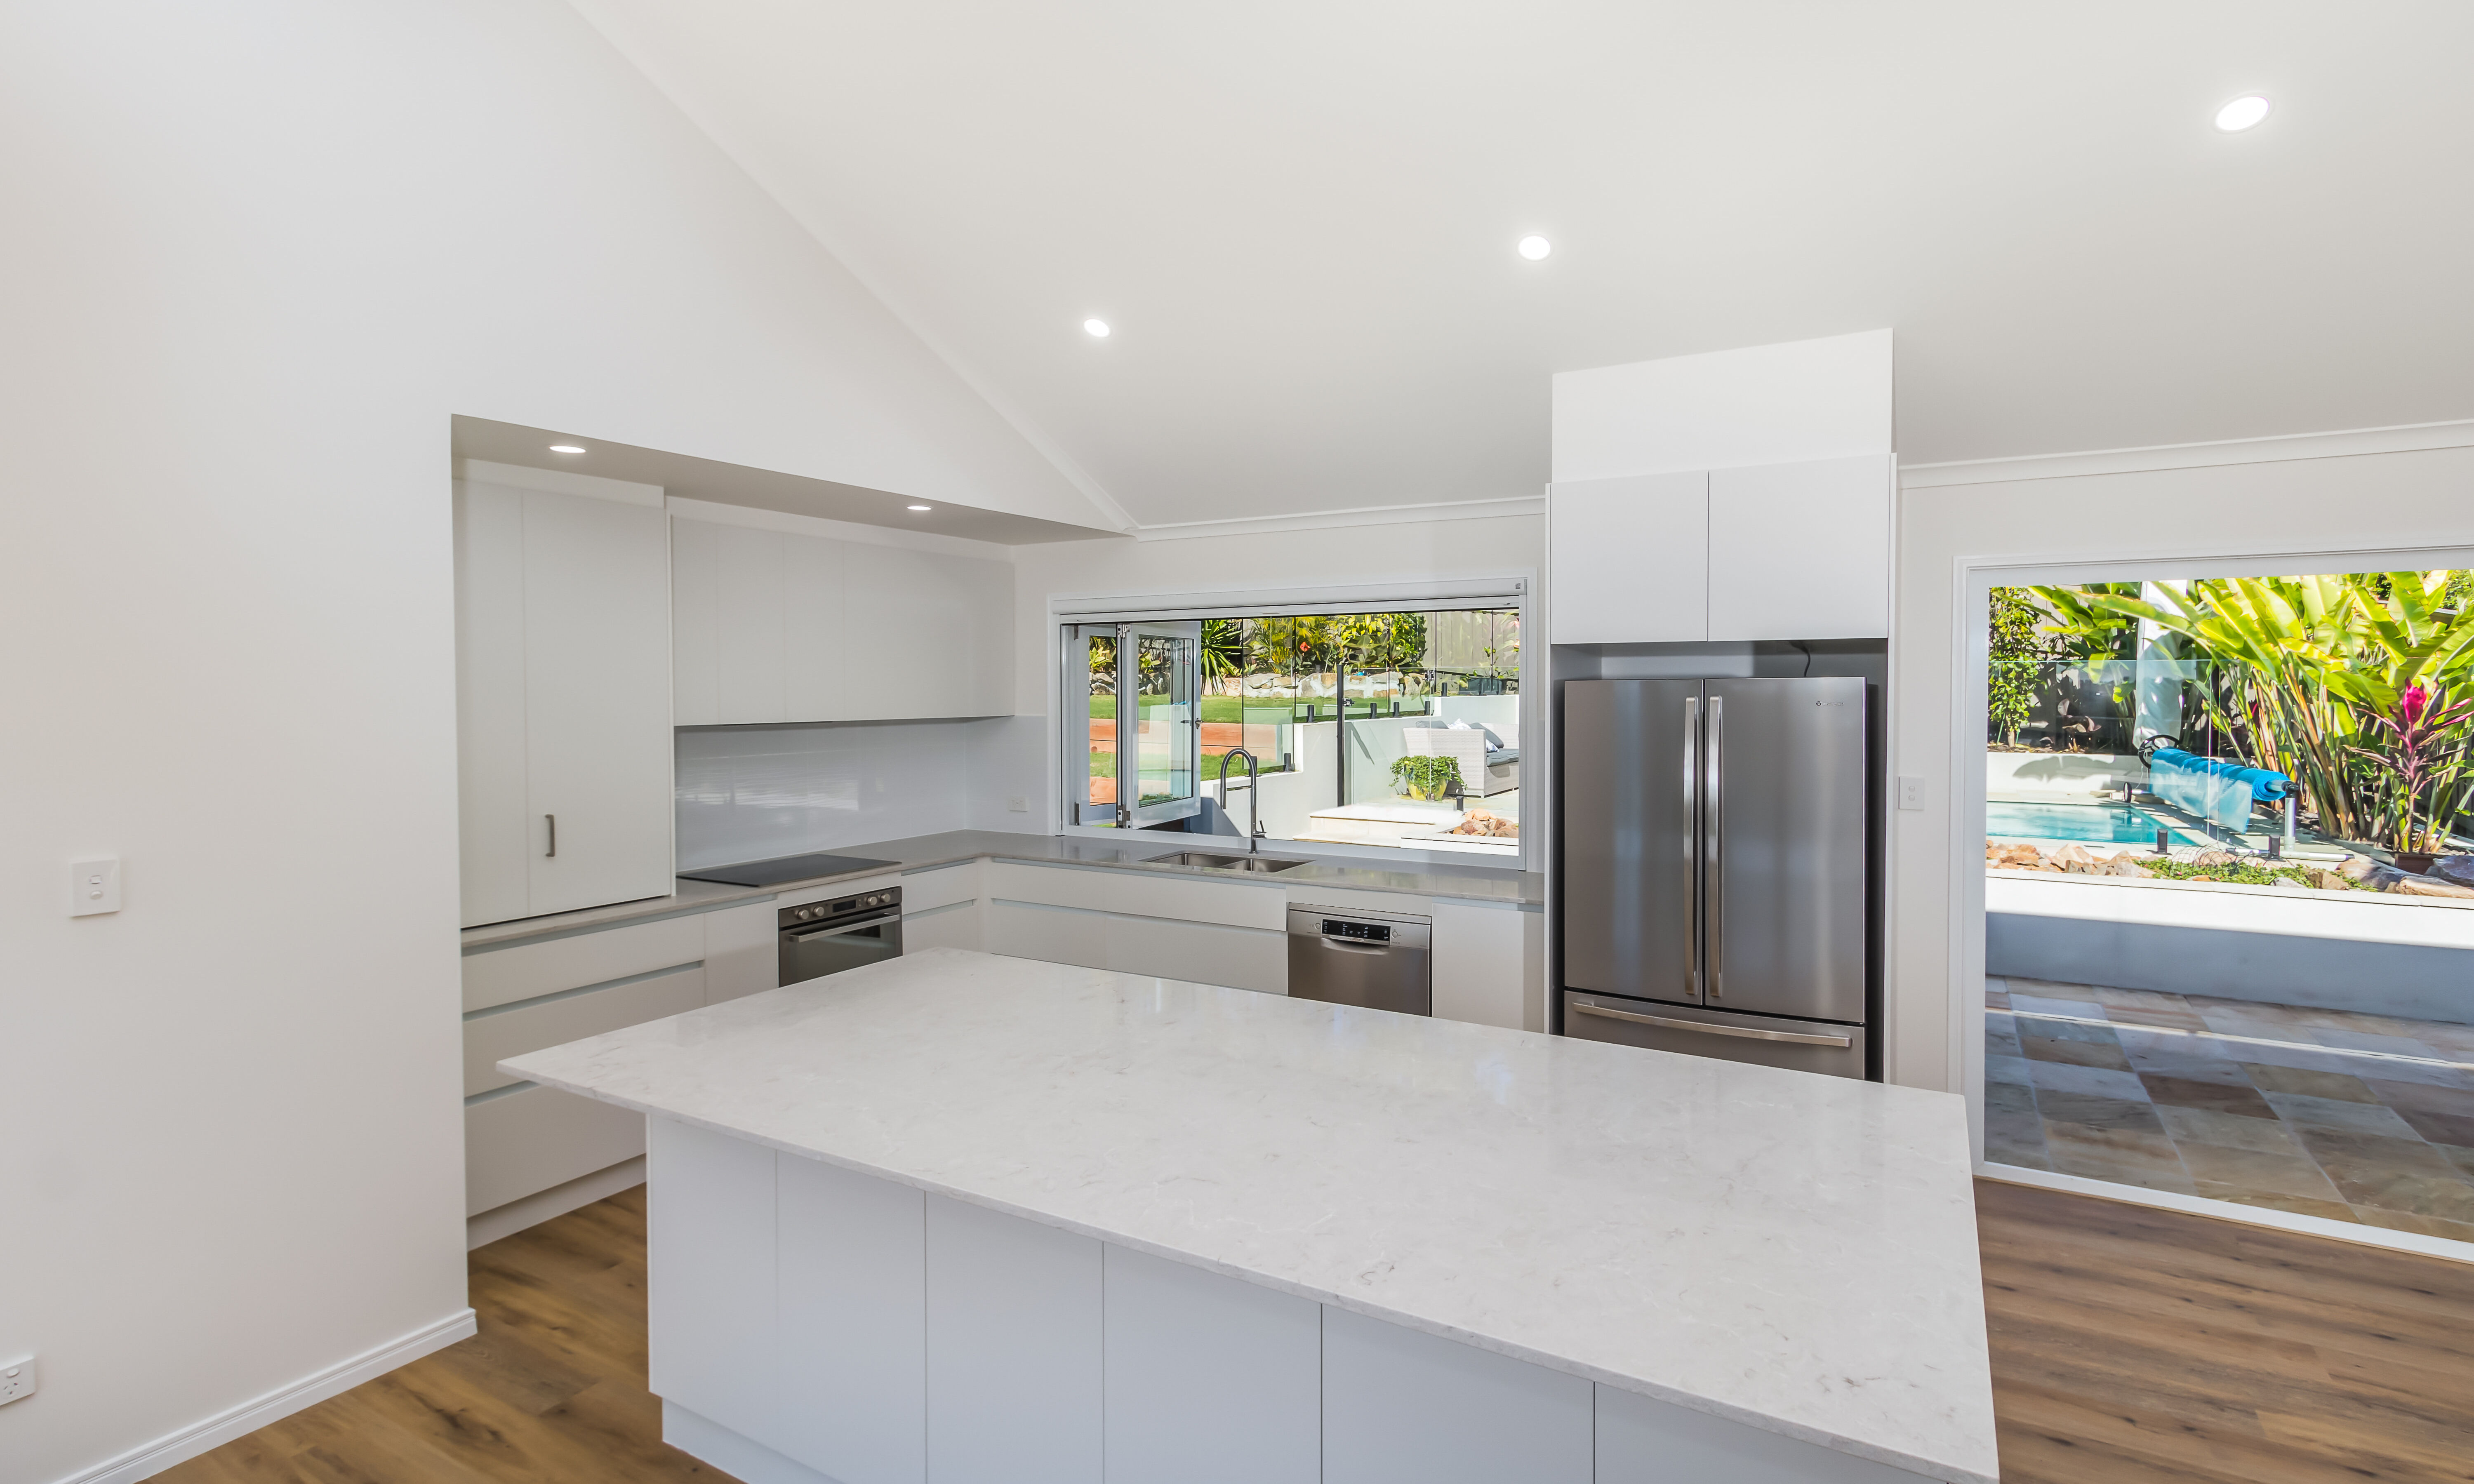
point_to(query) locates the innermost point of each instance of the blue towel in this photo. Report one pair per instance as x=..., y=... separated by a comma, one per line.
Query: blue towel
x=2266, y=785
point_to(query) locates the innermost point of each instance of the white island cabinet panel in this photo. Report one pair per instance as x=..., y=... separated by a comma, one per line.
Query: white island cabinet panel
x=1014, y=1349
x=712, y=1300
x=853, y=1342
x=1642, y=1441
x=1399, y=1403
x=1210, y=1379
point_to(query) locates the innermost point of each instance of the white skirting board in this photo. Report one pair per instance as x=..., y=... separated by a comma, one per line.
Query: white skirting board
x=187, y=1443
x=2356, y=1232
x=557, y=1200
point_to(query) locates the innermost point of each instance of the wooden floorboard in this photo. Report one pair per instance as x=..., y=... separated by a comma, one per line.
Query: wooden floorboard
x=2143, y=1346
x=2130, y=1344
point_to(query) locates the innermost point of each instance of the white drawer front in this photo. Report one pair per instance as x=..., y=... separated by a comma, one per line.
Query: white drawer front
x=1239, y=957
x=1058, y=935
x=926, y=890
x=503, y=976
x=529, y=1140
x=944, y=927
x=494, y=1038
x=1141, y=894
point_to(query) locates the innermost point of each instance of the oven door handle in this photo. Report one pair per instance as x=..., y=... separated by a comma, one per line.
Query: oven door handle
x=813, y=934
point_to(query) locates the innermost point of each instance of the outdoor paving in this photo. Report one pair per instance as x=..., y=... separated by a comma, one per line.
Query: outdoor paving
x=2362, y=1118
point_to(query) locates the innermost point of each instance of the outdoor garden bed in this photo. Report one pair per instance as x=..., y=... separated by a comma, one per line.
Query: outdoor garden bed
x=2225, y=867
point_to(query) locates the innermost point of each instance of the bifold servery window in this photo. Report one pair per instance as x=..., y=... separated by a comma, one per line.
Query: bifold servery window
x=1395, y=727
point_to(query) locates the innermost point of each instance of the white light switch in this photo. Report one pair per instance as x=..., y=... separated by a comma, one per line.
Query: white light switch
x=1019, y=803
x=95, y=886
x=1911, y=793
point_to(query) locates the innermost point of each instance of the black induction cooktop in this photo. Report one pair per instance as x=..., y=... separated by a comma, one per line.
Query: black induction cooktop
x=782, y=868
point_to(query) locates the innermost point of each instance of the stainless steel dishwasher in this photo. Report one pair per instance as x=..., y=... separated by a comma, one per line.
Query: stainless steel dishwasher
x=1375, y=959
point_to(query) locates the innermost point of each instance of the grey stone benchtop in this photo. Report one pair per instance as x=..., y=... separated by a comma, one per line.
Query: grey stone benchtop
x=1793, y=1252
x=926, y=852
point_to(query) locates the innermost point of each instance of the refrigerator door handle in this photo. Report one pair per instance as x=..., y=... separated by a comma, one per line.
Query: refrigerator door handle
x=1714, y=849
x=1692, y=843
x=1744, y=1033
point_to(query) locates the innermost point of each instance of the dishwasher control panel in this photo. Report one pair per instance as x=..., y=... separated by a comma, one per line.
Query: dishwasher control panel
x=1363, y=931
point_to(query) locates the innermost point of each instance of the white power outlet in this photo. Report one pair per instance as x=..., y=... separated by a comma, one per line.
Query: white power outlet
x=19, y=1379
x=1911, y=793
x=1018, y=803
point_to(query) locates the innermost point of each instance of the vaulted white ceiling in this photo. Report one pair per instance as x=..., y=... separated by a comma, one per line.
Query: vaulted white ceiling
x=1299, y=216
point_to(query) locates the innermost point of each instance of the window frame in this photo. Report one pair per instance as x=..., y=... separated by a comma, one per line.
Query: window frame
x=1515, y=590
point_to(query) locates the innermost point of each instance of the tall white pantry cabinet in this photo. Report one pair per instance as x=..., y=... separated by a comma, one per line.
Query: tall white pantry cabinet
x=563, y=691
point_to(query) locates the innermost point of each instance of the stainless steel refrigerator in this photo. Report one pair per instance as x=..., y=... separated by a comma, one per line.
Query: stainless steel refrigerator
x=1714, y=885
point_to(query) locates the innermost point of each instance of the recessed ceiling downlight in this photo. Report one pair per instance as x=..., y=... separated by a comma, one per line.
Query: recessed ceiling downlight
x=1096, y=330
x=1535, y=248
x=565, y=447
x=2242, y=113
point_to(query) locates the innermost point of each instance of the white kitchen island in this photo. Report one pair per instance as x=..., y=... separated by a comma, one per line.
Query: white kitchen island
x=961, y=1218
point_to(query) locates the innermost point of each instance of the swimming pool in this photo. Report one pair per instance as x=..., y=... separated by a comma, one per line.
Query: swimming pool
x=2119, y=824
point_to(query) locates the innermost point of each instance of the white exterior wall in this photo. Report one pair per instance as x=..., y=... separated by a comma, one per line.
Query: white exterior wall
x=260, y=254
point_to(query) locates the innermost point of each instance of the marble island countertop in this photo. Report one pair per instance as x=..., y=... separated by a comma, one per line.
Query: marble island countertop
x=928, y=852
x=1791, y=1251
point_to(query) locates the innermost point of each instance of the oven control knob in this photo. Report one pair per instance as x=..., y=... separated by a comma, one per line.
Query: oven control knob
x=805, y=915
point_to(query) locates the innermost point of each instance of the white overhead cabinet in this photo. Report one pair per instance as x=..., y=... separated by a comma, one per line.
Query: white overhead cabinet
x=777, y=626
x=1738, y=494
x=1773, y=552
x=562, y=704
x=1630, y=559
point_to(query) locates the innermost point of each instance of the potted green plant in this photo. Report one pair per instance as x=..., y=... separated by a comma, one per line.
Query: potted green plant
x=1426, y=777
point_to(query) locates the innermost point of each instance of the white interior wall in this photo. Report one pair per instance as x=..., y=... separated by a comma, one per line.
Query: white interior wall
x=2219, y=506
x=258, y=254
x=1358, y=555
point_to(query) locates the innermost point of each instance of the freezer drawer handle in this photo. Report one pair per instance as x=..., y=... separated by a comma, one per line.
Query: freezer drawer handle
x=1791, y=1037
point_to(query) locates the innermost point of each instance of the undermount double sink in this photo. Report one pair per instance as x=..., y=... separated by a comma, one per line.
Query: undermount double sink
x=1260, y=865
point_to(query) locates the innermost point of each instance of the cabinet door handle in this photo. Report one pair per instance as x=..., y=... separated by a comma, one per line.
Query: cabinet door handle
x=554, y=834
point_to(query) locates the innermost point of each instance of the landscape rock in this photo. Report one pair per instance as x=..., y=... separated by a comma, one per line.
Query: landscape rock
x=2424, y=885
x=2210, y=858
x=2457, y=870
x=2327, y=880
x=2125, y=866
x=2356, y=868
